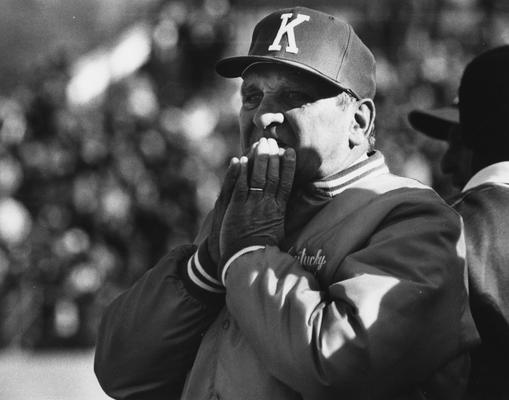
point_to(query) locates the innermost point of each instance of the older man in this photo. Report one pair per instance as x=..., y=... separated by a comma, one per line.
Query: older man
x=318, y=274
x=477, y=158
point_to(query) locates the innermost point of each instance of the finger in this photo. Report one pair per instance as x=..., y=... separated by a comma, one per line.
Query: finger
x=229, y=182
x=231, y=176
x=221, y=206
x=252, y=150
x=240, y=188
x=226, y=190
x=288, y=163
x=272, y=183
x=272, y=146
x=250, y=158
x=261, y=157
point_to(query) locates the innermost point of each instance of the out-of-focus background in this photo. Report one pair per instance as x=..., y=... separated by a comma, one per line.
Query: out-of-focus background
x=115, y=133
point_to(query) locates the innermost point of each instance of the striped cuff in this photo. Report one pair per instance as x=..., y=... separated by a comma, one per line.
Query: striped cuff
x=239, y=253
x=199, y=273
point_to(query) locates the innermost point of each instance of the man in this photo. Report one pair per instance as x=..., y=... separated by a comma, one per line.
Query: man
x=477, y=130
x=318, y=274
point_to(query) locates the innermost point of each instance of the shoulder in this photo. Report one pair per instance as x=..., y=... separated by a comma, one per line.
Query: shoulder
x=416, y=208
x=390, y=199
x=399, y=191
x=383, y=201
x=487, y=191
x=488, y=197
x=389, y=195
x=484, y=208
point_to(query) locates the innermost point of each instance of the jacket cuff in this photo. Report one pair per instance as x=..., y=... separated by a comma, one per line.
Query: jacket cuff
x=239, y=253
x=205, y=267
x=198, y=275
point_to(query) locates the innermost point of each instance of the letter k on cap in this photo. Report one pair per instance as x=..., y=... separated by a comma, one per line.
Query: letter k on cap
x=287, y=28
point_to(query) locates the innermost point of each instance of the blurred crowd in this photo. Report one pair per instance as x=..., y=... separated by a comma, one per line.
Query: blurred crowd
x=91, y=195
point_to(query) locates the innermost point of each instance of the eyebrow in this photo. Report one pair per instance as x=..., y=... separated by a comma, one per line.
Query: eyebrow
x=247, y=87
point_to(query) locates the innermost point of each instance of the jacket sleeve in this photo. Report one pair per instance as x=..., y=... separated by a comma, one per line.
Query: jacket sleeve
x=149, y=335
x=392, y=316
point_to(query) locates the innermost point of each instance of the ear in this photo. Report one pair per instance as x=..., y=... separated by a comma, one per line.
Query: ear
x=363, y=121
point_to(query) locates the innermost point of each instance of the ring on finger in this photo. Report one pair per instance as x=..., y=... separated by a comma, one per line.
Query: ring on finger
x=255, y=189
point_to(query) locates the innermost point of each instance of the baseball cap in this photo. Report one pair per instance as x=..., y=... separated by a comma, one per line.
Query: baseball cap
x=484, y=95
x=484, y=86
x=312, y=41
x=435, y=122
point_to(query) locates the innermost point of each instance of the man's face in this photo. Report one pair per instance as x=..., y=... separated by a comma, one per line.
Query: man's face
x=457, y=160
x=298, y=111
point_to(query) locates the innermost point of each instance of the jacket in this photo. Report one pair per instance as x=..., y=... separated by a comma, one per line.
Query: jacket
x=367, y=299
x=484, y=207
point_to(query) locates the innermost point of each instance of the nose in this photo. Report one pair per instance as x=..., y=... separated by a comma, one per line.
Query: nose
x=267, y=120
x=268, y=116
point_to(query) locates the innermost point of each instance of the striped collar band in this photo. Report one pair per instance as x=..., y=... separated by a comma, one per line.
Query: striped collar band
x=368, y=167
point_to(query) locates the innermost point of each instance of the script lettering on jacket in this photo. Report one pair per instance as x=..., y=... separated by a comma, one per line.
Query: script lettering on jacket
x=312, y=262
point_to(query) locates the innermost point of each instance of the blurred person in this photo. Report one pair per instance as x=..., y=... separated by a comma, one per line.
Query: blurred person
x=443, y=124
x=318, y=274
x=477, y=158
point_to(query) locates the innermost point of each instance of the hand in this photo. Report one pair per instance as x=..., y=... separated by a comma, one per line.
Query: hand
x=200, y=272
x=212, y=242
x=255, y=215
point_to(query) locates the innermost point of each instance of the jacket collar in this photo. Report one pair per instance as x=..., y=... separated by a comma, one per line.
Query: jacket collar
x=494, y=173
x=309, y=200
x=369, y=166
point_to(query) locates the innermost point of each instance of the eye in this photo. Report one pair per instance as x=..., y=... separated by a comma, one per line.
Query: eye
x=297, y=97
x=251, y=99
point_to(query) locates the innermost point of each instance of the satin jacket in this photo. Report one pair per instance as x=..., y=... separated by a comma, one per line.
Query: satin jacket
x=366, y=299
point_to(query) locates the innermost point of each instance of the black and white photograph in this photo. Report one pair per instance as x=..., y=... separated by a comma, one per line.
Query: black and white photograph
x=254, y=200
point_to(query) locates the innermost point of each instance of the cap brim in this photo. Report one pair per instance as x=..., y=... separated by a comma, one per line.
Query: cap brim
x=434, y=123
x=233, y=67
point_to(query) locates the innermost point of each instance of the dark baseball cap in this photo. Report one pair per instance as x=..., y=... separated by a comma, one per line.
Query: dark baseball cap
x=484, y=95
x=312, y=41
x=483, y=92
x=436, y=122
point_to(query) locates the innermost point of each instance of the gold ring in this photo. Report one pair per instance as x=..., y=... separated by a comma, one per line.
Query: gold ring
x=255, y=189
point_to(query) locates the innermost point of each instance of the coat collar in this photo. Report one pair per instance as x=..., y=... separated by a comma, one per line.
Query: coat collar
x=494, y=173
x=372, y=164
